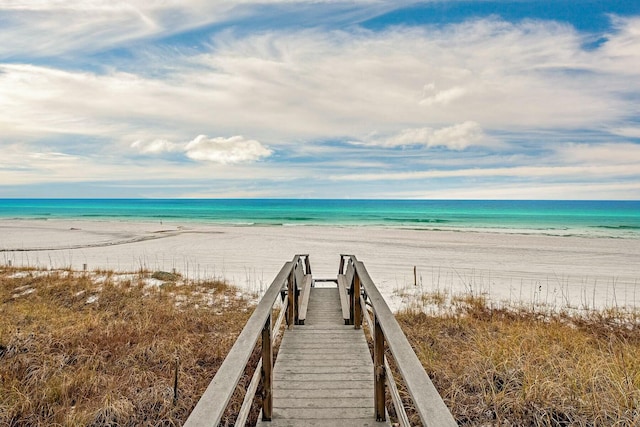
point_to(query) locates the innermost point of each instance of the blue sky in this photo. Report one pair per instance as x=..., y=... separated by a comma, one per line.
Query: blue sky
x=320, y=99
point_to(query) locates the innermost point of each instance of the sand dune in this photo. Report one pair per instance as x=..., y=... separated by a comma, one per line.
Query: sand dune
x=558, y=271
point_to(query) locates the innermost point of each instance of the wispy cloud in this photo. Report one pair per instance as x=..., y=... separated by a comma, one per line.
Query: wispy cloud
x=322, y=85
x=235, y=149
x=588, y=172
x=524, y=191
x=601, y=154
x=71, y=27
x=456, y=137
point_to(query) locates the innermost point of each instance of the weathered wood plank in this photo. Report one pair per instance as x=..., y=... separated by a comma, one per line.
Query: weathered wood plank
x=298, y=271
x=327, y=355
x=344, y=297
x=311, y=360
x=324, y=402
x=304, y=301
x=378, y=367
x=318, y=362
x=306, y=347
x=267, y=371
x=332, y=328
x=329, y=329
x=352, y=422
x=322, y=413
x=351, y=337
x=346, y=352
x=301, y=345
x=291, y=385
x=332, y=369
x=354, y=336
x=314, y=393
x=322, y=341
x=320, y=378
x=350, y=273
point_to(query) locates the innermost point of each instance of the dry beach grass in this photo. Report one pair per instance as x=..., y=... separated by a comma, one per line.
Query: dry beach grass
x=100, y=348
x=516, y=366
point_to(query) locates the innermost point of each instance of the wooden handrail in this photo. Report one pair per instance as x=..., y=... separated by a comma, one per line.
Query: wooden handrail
x=384, y=330
x=401, y=414
x=210, y=408
x=426, y=399
x=245, y=409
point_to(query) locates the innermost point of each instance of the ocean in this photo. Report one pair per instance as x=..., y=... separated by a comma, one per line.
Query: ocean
x=605, y=219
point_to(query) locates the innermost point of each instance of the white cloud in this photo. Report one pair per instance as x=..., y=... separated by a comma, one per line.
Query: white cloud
x=53, y=157
x=443, y=97
x=226, y=150
x=455, y=137
x=157, y=146
x=235, y=149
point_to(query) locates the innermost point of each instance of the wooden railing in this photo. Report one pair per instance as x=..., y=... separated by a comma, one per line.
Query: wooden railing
x=358, y=295
x=294, y=277
x=354, y=280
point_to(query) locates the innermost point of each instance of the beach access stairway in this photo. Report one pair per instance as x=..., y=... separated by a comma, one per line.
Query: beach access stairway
x=325, y=373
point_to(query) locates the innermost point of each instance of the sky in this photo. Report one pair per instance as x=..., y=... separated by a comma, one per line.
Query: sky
x=338, y=99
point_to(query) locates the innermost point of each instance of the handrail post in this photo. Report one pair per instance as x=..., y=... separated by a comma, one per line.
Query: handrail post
x=351, y=291
x=357, y=310
x=341, y=268
x=307, y=264
x=378, y=369
x=267, y=371
x=291, y=308
x=296, y=297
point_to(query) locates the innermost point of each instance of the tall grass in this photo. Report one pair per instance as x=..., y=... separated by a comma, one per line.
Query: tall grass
x=80, y=348
x=520, y=367
x=102, y=349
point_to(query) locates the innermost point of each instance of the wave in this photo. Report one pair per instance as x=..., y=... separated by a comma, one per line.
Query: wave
x=297, y=218
x=617, y=227
x=417, y=220
x=105, y=215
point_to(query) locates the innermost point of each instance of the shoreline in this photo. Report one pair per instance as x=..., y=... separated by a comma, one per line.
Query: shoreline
x=587, y=232
x=582, y=218
x=530, y=268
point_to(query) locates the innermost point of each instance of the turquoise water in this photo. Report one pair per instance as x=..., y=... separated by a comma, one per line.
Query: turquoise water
x=613, y=219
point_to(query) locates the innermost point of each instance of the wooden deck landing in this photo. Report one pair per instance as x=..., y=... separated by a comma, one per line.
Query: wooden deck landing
x=323, y=375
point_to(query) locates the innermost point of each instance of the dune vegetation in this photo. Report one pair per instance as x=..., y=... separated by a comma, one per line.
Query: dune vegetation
x=100, y=348
x=106, y=349
x=517, y=366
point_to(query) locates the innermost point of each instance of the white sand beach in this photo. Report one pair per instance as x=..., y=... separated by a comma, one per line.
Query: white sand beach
x=556, y=271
